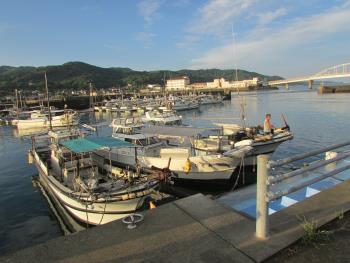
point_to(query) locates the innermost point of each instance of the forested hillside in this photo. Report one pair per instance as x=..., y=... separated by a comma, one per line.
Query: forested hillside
x=76, y=75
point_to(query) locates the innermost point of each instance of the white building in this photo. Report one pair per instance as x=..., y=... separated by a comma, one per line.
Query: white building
x=180, y=83
x=222, y=83
x=151, y=88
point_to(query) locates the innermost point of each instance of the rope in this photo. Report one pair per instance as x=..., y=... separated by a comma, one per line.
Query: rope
x=104, y=210
x=87, y=214
x=239, y=173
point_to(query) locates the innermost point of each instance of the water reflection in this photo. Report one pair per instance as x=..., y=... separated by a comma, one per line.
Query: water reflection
x=28, y=132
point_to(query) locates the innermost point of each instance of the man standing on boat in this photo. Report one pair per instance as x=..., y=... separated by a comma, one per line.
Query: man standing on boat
x=268, y=127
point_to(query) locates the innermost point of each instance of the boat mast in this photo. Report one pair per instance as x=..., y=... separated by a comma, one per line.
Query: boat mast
x=91, y=106
x=16, y=93
x=242, y=111
x=48, y=101
x=20, y=99
x=90, y=93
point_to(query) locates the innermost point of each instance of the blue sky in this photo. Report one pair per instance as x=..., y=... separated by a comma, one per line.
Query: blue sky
x=281, y=37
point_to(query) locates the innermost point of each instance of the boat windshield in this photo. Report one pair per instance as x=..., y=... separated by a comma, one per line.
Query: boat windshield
x=144, y=141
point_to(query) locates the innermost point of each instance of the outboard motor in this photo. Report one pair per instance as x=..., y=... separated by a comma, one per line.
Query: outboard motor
x=240, y=135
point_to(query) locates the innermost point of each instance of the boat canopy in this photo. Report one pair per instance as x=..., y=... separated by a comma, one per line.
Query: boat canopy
x=82, y=145
x=181, y=131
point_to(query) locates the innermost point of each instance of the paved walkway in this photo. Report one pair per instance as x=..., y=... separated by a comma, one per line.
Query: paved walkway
x=193, y=229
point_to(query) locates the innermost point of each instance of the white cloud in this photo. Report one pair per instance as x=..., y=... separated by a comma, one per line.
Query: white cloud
x=148, y=10
x=278, y=46
x=218, y=15
x=146, y=38
x=268, y=17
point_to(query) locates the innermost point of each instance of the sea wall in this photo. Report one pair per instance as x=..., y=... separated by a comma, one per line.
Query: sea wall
x=345, y=88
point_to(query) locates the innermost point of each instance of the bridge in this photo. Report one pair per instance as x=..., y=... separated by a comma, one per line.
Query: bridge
x=338, y=71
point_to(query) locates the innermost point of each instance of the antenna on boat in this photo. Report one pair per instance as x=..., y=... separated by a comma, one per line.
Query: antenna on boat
x=242, y=104
x=48, y=101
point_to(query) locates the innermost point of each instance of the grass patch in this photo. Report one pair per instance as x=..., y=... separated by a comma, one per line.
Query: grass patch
x=313, y=235
x=341, y=215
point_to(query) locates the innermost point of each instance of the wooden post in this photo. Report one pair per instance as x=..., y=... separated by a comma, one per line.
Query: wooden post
x=262, y=213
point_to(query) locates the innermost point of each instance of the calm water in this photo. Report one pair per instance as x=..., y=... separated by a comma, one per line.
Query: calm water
x=25, y=218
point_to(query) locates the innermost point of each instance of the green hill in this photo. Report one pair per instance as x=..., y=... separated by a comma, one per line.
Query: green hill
x=76, y=75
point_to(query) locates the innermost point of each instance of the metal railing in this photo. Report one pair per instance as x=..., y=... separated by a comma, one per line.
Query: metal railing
x=264, y=180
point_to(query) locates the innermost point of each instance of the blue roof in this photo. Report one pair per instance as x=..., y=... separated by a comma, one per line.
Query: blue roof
x=82, y=145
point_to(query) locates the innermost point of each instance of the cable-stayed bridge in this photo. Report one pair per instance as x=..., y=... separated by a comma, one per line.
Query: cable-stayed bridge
x=338, y=71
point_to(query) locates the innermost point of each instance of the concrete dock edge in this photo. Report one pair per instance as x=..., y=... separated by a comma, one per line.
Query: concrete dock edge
x=193, y=229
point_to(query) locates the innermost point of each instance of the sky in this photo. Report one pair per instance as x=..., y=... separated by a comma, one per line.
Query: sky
x=274, y=37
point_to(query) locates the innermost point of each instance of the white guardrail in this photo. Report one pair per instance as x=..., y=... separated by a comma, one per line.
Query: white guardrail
x=264, y=195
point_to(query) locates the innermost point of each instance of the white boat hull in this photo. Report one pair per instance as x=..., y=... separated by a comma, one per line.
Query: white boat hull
x=268, y=147
x=178, y=106
x=85, y=209
x=126, y=156
x=202, y=167
x=163, y=120
x=59, y=121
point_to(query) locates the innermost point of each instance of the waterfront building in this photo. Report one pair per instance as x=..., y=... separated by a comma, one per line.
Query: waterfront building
x=226, y=84
x=199, y=85
x=183, y=83
x=178, y=83
x=152, y=88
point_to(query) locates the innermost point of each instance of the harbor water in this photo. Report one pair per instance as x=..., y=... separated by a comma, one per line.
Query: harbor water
x=25, y=215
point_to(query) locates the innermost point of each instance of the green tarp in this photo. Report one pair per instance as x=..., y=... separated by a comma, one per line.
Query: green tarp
x=82, y=145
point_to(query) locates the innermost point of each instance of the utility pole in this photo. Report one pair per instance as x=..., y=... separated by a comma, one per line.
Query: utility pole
x=48, y=101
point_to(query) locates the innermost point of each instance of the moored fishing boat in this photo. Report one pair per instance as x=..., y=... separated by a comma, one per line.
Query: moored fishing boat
x=209, y=99
x=163, y=118
x=197, y=169
x=129, y=130
x=39, y=119
x=87, y=187
x=178, y=104
x=234, y=136
x=211, y=145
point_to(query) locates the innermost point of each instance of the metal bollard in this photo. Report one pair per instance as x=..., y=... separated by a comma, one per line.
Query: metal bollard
x=262, y=213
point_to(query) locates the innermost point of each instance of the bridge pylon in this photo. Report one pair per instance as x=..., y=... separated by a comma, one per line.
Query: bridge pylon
x=310, y=82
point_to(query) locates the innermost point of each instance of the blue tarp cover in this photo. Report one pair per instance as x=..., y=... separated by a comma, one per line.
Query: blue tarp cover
x=82, y=145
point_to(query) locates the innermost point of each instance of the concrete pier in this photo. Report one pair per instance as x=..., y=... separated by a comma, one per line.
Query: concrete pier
x=193, y=229
x=342, y=88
